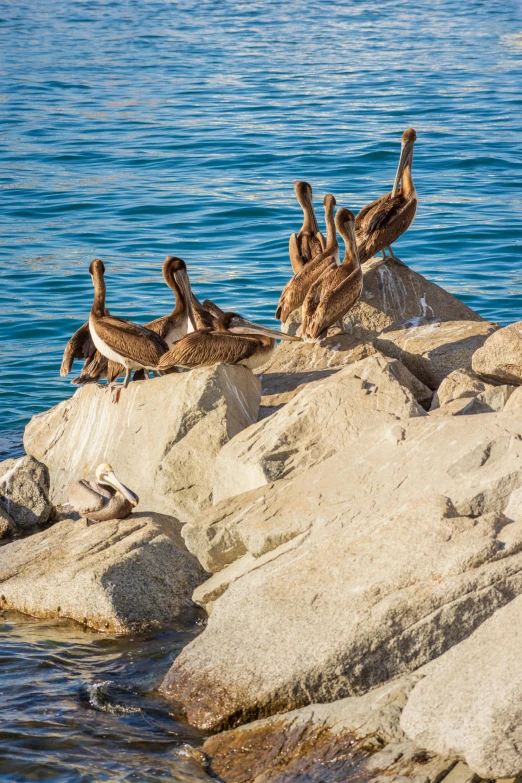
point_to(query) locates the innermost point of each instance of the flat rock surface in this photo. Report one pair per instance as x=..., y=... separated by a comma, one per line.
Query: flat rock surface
x=120, y=576
x=500, y=358
x=469, y=704
x=320, y=420
x=161, y=438
x=393, y=291
x=432, y=349
x=407, y=552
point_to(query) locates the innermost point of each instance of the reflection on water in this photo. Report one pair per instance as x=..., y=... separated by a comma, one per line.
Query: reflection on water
x=80, y=706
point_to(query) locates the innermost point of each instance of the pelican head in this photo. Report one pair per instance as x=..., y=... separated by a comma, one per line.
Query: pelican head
x=105, y=475
x=329, y=201
x=409, y=137
x=96, y=267
x=232, y=322
x=174, y=267
x=172, y=264
x=303, y=191
x=344, y=220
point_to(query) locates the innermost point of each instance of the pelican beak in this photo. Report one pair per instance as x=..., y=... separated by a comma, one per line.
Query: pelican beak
x=114, y=482
x=240, y=325
x=183, y=281
x=406, y=157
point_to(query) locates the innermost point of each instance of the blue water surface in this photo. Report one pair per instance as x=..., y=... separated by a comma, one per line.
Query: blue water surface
x=134, y=129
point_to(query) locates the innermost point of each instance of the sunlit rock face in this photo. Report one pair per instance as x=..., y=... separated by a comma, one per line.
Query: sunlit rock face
x=161, y=438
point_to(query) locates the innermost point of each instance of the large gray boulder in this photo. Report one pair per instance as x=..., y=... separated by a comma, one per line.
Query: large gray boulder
x=315, y=424
x=404, y=550
x=24, y=495
x=121, y=576
x=162, y=437
x=432, y=349
x=500, y=358
x=393, y=291
x=469, y=705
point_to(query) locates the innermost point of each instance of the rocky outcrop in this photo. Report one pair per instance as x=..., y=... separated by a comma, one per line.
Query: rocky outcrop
x=24, y=496
x=432, y=349
x=316, y=423
x=121, y=576
x=500, y=358
x=469, y=704
x=404, y=551
x=394, y=292
x=162, y=437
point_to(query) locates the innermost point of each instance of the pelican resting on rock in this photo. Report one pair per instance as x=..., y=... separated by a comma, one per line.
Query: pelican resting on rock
x=296, y=289
x=233, y=340
x=309, y=242
x=105, y=498
x=383, y=221
x=336, y=292
x=121, y=341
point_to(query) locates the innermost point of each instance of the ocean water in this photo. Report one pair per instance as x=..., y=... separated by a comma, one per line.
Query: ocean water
x=131, y=130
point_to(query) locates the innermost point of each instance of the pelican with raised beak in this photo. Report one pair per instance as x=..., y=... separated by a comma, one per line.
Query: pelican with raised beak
x=309, y=242
x=380, y=223
x=119, y=340
x=233, y=340
x=295, y=291
x=103, y=499
x=336, y=292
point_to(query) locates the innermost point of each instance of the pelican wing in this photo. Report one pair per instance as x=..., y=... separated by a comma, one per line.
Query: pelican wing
x=87, y=497
x=137, y=343
x=388, y=210
x=204, y=348
x=295, y=291
x=160, y=326
x=80, y=346
x=340, y=293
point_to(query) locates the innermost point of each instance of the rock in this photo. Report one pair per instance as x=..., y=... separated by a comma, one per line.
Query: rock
x=469, y=704
x=394, y=292
x=24, y=495
x=121, y=576
x=407, y=551
x=458, y=384
x=515, y=400
x=453, y=408
x=500, y=357
x=432, y=349
x=315, y=424
x=161, y=438
x=493, y=399
x=341, y=741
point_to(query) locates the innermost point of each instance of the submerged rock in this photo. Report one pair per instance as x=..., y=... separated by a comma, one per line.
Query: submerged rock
x=24, y=495
x=318, y=422
x=162, y=437
x=392, y=292
x=400, y=550
x=432, y=349
x=500, y=358
x=120, y=576
x=469, y=703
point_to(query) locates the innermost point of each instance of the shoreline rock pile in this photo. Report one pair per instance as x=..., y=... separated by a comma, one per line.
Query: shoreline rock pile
x=351, y=522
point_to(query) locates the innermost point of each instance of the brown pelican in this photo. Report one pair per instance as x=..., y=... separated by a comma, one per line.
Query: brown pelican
x=338, y=289
x=169, y=327
x=105, y=498
x=380, y=223
x=233, y=340
x=133, y=346
x=309, y=242
x=296, y=289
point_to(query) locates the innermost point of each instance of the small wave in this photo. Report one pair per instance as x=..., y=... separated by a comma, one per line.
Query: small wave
x=99, y=698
